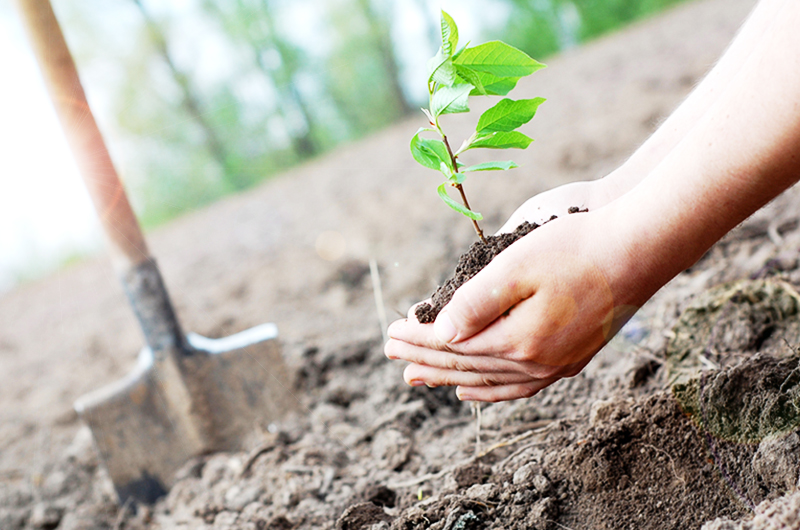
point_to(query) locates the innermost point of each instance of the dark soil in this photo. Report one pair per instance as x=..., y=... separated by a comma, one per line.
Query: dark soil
x=634, y=451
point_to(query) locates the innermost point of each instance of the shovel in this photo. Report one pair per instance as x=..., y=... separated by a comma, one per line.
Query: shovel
x=189, y=395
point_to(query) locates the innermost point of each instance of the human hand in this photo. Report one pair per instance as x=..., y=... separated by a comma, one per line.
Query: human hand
x=538, y=312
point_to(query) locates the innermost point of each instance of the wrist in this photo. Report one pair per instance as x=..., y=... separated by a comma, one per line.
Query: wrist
x=663, y=230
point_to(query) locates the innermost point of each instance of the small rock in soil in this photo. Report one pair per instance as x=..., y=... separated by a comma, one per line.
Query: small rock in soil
x=525, y=474
x=530, y=476
x=783, y=513
x=479, y=491
x=776, y=462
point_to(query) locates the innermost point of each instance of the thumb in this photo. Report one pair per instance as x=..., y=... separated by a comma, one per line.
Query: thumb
x=484, y=298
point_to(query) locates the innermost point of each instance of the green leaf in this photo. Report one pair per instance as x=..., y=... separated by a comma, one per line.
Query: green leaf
x=471, y=77
x=449, y=34
x=446, y=170
x=499, y=59
x=429, y=153
x=464, y=47
x=456, y=206
x=508, y=114
x=451, y=100
x=496, y=86
x=491, y=166
x=492, y=85
x=502, y=140
x=441, y=69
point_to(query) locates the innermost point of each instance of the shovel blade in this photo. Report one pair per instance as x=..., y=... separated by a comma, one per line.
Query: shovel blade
x=147, y=425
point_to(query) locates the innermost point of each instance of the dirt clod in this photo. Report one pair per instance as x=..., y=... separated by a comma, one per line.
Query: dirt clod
x=362, y=517
x=474, y=473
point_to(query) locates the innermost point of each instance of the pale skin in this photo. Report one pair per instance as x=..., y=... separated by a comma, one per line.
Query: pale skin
x=544, y=307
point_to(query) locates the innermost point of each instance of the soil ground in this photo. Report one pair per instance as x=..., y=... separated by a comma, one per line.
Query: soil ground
x=610, y=448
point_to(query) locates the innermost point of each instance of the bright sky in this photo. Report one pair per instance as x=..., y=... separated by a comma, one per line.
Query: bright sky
x=45, y=213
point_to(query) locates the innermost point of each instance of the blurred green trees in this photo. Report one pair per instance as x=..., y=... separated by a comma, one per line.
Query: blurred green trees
x=211, y=97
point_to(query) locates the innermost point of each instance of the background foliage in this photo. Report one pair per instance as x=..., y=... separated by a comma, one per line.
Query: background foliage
x=201, y=98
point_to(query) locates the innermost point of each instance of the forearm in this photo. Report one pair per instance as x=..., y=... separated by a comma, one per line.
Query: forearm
x=743, y=152
x=701, y=99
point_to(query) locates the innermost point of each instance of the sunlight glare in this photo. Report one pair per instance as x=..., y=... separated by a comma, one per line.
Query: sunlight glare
x=46, y=216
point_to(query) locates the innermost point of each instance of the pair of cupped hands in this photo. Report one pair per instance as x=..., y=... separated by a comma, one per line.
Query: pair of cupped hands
x=538, y=312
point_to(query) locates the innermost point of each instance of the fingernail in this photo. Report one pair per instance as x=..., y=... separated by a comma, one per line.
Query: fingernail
x=463, y=396
x=416, y=382
x=443, y=328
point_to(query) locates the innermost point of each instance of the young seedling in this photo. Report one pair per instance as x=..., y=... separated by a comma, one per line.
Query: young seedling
x=490, y=69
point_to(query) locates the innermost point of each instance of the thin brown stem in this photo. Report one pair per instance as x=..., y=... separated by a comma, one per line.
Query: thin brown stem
x=460, y=189
x=475, y=224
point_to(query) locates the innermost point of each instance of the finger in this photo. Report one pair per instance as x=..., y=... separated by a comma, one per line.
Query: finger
x=399, y=350
x=412, y=332
x=530, y=333
x=417, y=375
x=489, y=294
x=493, y=394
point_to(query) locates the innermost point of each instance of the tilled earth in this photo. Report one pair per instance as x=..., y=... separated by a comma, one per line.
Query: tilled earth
x=688, y=419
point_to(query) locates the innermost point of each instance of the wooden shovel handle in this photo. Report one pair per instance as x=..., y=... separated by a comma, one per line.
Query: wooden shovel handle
x=88, y=148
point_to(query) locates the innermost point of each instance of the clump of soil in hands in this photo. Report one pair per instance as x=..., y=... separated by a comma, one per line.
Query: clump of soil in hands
x=472, y=262
x=469, y=264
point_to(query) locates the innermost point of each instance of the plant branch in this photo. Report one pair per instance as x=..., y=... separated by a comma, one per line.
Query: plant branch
x=475, y=224
x=460, y=188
